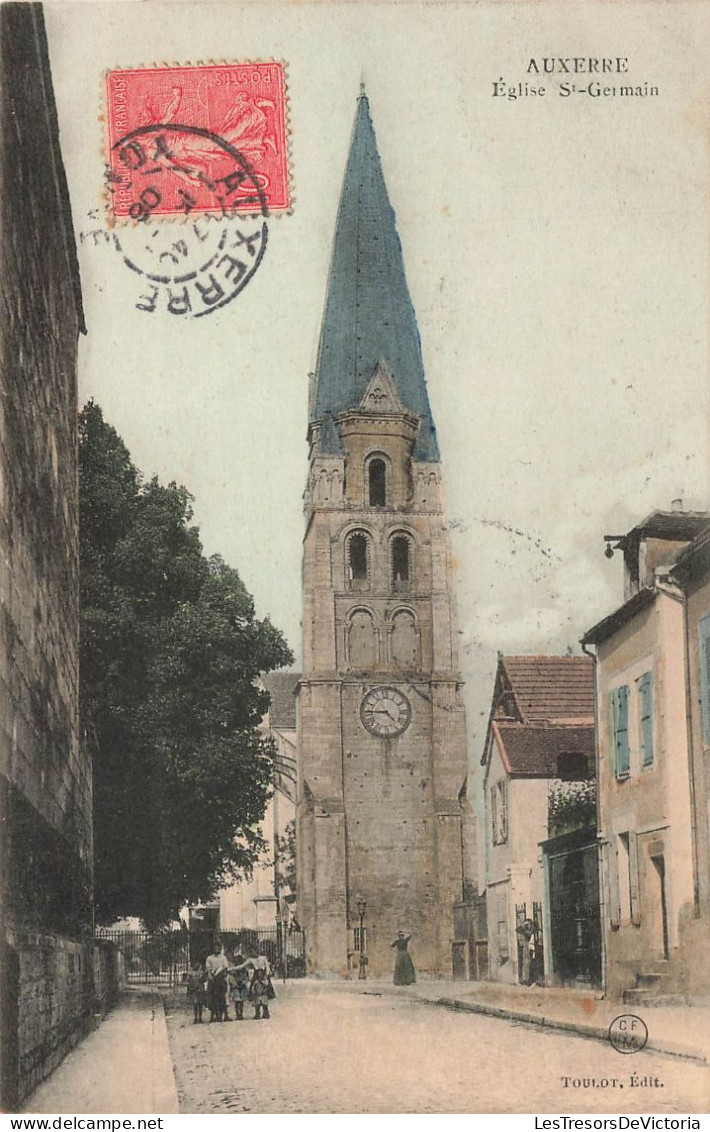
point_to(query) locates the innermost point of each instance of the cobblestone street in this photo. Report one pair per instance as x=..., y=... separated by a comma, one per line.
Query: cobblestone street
x=329, y=1048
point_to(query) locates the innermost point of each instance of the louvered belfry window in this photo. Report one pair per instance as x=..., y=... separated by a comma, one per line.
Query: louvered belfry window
x=377, y=483
x=357, y=558
x=400, y=562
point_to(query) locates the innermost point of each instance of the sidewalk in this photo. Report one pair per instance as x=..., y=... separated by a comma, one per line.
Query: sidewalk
x=683, y=1031
x=122, y=1067
x=125, y=1065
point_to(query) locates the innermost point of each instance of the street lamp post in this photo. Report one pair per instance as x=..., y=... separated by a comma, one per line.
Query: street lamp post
x=362, y=961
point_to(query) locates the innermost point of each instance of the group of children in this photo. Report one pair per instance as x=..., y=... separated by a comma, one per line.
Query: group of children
x=243, y=980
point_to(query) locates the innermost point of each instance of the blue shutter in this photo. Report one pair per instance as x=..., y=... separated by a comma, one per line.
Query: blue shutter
x=646, y=697
x=634, y=901
x=622, y=731
x=613, y=713
x=612, y=871
x=494, y=815
x=704, y=642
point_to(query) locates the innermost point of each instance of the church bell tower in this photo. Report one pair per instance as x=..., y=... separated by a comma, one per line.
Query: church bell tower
x=381, y=728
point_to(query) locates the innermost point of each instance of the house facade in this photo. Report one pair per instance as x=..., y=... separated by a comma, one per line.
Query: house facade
x=692, y=574
x=263, y=900
x=539, y=749
x=643, y=769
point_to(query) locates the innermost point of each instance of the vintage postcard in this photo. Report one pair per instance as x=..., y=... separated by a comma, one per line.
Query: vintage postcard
x=355, y=661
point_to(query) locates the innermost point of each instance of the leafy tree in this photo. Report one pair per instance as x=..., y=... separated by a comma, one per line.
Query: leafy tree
x=170, y=652
x=571, y=806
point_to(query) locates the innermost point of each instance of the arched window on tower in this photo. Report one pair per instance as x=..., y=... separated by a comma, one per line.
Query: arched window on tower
x=358, y=573
x=361, y=640
x=377, y=482
x=404, y=641
x=401, y=563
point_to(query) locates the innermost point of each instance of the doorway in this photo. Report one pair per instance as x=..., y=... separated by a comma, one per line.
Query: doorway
x=658, y=879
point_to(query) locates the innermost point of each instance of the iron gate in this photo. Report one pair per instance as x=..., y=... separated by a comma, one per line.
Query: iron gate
x=528, y=931
x=165, y=957
x=574, y=915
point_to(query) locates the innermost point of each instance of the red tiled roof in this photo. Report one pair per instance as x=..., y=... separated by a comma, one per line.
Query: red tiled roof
x=673, y=525
x=551, y=687
x=533, y=751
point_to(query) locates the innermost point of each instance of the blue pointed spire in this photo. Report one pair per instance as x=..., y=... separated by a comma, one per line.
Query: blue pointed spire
x=368, y=315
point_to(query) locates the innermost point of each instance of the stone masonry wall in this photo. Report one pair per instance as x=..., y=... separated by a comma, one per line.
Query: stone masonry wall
x=45, y=780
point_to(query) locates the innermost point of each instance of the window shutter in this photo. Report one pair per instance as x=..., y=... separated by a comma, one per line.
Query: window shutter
x=704, y=642
x=622, y=731
x=613, y=712
x=494, y=815
x=503, y=803
x=646, y=694
x=634, y=878
x=612, y=859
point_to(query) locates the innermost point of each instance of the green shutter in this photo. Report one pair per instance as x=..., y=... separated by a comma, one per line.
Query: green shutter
x=622, y=731
x=612, y=859
x=613, y=712
x=503, y=804
x=634, y=878
x=646, y=697
x=494, y=816
x=704, y=642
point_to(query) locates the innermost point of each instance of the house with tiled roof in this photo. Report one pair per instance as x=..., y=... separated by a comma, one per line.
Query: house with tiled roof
x=539, y=761
x=653, y=733
x=691, y=572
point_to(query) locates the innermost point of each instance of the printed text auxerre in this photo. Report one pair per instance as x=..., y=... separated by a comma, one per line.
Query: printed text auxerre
x=553, y=65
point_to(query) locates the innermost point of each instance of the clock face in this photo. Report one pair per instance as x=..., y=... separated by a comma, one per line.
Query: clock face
x=385, y=712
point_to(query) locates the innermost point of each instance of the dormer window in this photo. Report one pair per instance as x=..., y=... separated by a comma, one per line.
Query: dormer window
x=377, y=483
x=572, y=766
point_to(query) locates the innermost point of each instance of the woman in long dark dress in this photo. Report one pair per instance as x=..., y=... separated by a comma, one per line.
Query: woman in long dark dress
x=216, y=967
x=239, y=974
x=404, y=973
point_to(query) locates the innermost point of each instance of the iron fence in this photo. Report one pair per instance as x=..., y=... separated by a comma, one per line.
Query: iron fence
x=166, y=957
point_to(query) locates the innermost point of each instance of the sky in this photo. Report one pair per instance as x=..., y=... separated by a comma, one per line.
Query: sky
x=557, y=253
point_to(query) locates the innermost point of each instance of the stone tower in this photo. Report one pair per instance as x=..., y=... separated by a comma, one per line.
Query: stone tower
x=381, y=728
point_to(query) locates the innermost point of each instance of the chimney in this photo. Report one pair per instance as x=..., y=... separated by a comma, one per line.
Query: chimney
x=676, y=505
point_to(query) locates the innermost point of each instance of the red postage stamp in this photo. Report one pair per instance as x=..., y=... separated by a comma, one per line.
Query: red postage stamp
x=190, y=140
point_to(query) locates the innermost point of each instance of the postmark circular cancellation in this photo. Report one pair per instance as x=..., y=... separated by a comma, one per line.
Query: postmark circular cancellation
x=166, y=161
x=199, y=267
